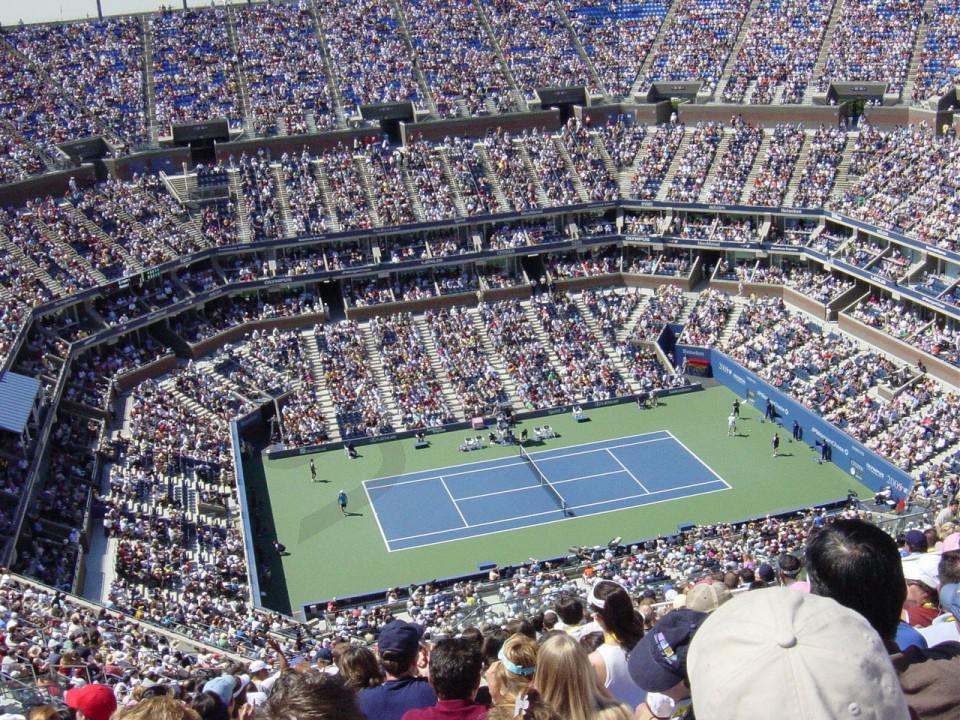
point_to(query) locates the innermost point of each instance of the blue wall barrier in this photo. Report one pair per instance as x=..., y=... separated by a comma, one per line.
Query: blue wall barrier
x=869, y=468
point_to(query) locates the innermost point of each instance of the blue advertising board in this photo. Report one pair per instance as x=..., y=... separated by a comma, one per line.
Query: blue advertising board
x=846, y=453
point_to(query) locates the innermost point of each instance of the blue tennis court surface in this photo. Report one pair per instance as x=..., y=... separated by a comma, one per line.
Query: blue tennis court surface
x=480, y=498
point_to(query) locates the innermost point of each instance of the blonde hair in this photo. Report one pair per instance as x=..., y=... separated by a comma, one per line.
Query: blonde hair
x=521, y=650
x=568, y=683
x=157, y=708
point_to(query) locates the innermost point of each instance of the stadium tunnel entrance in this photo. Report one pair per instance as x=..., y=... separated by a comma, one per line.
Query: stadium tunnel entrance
x=201, y=138
x=564, y=99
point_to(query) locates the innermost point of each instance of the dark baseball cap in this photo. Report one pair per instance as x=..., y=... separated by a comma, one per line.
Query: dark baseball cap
x=400, y=637
x=659, y=660
x=916, y=540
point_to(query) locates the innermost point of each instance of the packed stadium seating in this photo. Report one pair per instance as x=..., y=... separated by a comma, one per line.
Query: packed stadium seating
x=369, y=281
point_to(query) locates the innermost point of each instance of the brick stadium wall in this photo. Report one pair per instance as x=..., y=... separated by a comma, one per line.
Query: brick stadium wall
x=907, y=353
x=211, y=344
x=411, y=306
x=479, y=126
x=810, y=116
x=55, y=184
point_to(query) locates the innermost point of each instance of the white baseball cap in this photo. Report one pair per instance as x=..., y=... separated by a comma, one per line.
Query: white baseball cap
x=923, y=568
x=793, y=656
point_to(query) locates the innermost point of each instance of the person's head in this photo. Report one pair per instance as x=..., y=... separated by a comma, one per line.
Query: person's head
x=788, y=568
x=157, y=708
x=948, y=568
x=614, y=610
x=659, y=662
x=455, y=667
x=209, y=706
x=223, y=687
x=794, y=656
x=514, y=669
x=43, y=712
x=920, y=575
x=359, y=668
x=568, y=684
x=258, y=670
x=399, y=643
x=569, y=609
x=92, y=702
x=310, y=696
x=858, y=565
x=915, y=541
x=520, y=625
x=707, y=597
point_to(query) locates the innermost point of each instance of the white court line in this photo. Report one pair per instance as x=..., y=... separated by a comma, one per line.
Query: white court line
x=454, y=501
x=617, y=461
x=496, y=467
x=697, y=458
x=376, y=517
x=553, y=512
x=533, y=487
x=515, y=464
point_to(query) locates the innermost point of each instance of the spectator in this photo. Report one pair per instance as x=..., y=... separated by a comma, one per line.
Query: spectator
x=921, y=605
x=359, y=668
x=568, y=683
x=762, y=647
x=159, y=708
x=92, y=702
x=622, y=628
x=399, y=648
x=513, y=671
x=455, y=668
x=659, y=664
x=859, y=566
x=311, y=696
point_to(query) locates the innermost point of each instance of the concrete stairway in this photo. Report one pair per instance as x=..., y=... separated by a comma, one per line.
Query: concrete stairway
x=711, y=177
x=448, y=175
x=571, y=168
x=727, y=74
x=363, y=172
x=910, y=82
x=29, y=267
x=491, y=174
x=599, y=338
x=375, y=364
x=509, y=386
x=825, y=47
x=532, y=174
x=321, y=390
x=662, y=33
x=411, y=187
x=759, y=162
x=55, y=236
x=284, y=202
x=245, y=108
x=240, y=203
x=678, y=158
x=329, y=205
x=449, y=394
x=735, y=313
x=149, y=86
x=83, y=221
x=843, y=179
x=798, y=169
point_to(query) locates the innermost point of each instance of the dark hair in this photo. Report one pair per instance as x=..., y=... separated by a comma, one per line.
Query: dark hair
x=591, y=641
x=397, y=663
x=949, y=568
x=455, y=667
x=209, y=706
x=310, y=696
x=570, y=609
x=747, y=576
x=789, y=565
x=520, y=625
x=858, y=565
x=473, y=634
x=618, y=614
x=492, y=643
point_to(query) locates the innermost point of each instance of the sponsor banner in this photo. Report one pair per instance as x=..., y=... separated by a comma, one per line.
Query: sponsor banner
x=869, y=468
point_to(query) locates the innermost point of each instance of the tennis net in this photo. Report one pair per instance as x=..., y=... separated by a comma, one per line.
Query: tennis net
x=544, y=483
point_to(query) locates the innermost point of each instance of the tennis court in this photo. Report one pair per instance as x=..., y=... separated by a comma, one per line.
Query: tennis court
x=480, y=498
